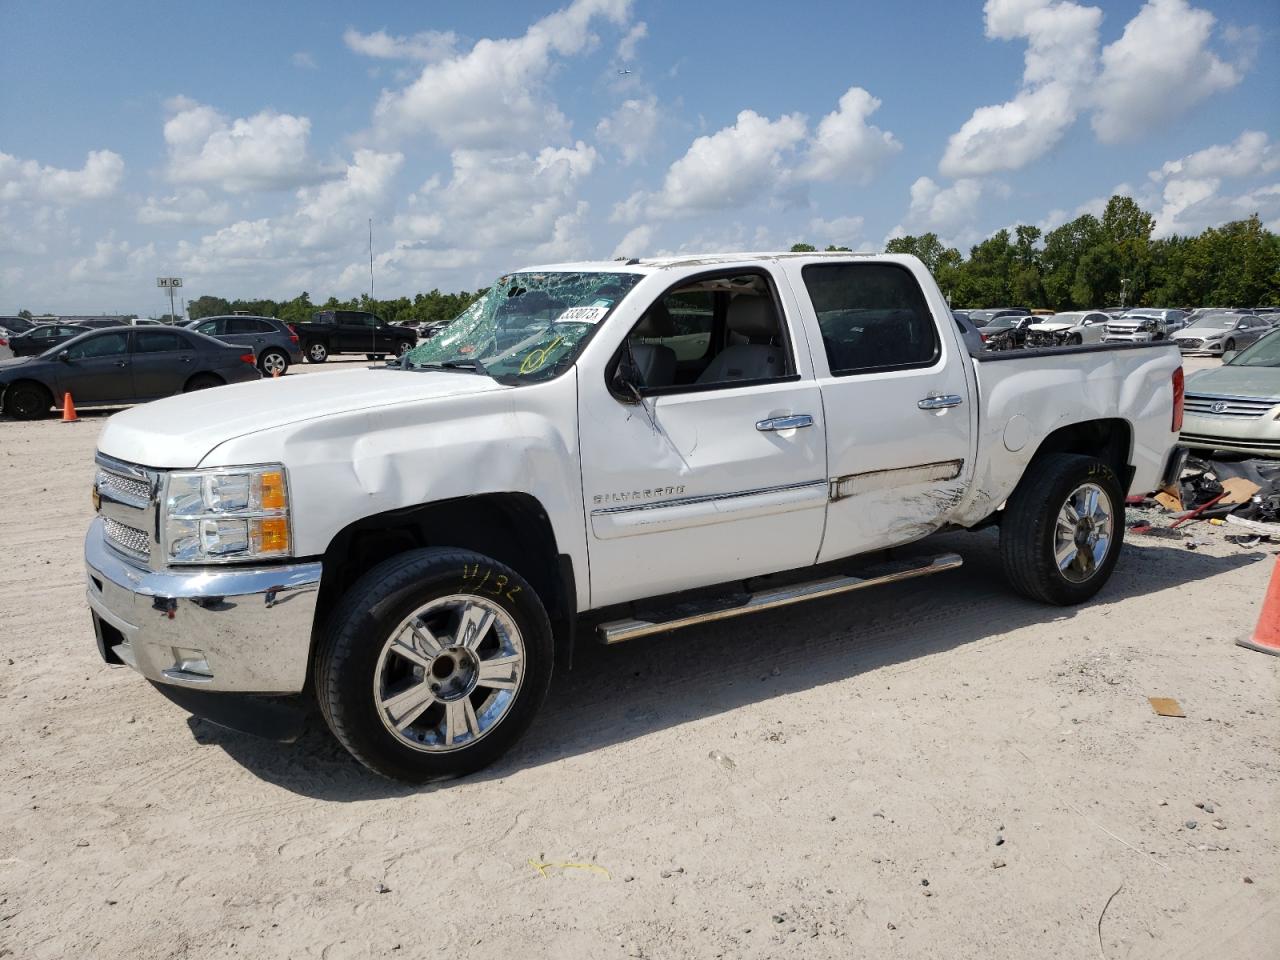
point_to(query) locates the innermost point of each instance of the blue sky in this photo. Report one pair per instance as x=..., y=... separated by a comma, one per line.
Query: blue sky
x=245, y=146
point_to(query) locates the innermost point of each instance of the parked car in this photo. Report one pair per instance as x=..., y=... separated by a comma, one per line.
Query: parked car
x=1144, y=324
x=272, y=341
x=12, y=326
x=352, y=331
x=982, y=317
x=1068, y=329
x=416, y=546
x=98, y=323
x=1008, y=332
x=1236, y=407
x=973, y=339
x=1219, y=331
x=40, y=338
x=107, y=367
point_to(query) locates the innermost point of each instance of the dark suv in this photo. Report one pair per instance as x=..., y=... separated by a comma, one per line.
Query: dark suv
x=271, y=340
x=352, y=331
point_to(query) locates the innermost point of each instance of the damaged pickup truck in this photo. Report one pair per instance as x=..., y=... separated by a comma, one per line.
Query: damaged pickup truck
x=609, y=449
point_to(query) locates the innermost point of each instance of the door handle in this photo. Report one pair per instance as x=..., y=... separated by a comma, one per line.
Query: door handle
x=122, y=363
x=940, y=403
x=785, y=423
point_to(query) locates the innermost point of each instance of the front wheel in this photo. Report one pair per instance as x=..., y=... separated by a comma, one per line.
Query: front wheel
x=1062, y=530
x=317, y=352
x=1075, y=340
x=1228, y=346
x=28, y=401
x=433, y=664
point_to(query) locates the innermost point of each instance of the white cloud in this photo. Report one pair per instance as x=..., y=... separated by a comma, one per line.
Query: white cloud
x=111, y=259
x=494, y=95
x=845, y=146
x=1160, y=68
x=1062, y=45
x=1191, y=205
x=631, y=128
x=185, y=206
x=627, y=45
x=342, y=205
x=28, y=180
x=950, y=212
x=1251, y=153
x=304, y=61
x=635, y=243
x=840, y=231
x=267, y=151
x=429, y=45
x=731, y=167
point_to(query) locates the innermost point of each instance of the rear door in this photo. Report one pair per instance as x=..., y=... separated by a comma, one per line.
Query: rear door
x=247, y=332
x=163, y=361
x=97, y=370
x=895, y=396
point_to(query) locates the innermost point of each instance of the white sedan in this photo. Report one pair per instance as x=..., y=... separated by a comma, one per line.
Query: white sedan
x=1068, y=329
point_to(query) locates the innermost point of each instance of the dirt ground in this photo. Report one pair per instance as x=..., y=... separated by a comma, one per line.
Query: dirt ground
x=934, y=769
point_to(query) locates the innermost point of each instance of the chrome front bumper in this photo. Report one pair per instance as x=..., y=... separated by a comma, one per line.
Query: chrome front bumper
x=239, y=629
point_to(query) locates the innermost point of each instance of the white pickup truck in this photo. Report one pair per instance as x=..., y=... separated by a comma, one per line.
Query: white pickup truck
x=413, y=546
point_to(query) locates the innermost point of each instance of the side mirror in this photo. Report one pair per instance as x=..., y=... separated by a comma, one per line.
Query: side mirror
x=1229, y=355
x=64, y=356
x=625, y=383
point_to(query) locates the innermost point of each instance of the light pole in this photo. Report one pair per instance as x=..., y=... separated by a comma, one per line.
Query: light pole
x=1123, y=283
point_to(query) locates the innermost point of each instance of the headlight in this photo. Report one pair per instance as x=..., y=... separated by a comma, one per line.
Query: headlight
x=1146, y=326
x=226, y=514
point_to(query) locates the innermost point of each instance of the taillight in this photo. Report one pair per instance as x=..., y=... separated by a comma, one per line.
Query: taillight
x=3, y=342
x=293, y=338
x=1179, y=394
x=248, y=358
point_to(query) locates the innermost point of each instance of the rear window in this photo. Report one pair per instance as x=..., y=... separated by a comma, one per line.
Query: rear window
x=247, y=325
x=873, y=316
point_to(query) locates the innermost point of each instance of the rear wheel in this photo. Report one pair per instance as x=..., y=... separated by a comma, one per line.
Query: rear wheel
x=28, y=401
x=202, y=381
x=1062, y=530
x=273, y=363
x=433, y=664
x=317, y=352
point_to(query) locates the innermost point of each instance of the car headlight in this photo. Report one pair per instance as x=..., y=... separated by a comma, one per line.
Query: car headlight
x=226, y=514
x=1146, y=326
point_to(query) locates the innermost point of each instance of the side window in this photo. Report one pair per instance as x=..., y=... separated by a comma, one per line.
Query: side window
x=715, y=331
x=156, y=342
x=873, y=316
x=245, y=325
x=212, y=328
x=107, y=345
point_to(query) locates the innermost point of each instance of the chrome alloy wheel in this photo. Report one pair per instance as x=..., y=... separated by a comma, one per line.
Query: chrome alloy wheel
x=449, y=673
x=274, y=363
x=1082, y=535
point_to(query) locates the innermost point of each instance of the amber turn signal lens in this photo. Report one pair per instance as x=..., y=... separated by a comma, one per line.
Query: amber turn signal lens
x=273, y=490
x=272, y=535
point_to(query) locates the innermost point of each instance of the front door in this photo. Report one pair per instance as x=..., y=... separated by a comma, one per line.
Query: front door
x=96, y=369
x=896, y=400
x=719, y=472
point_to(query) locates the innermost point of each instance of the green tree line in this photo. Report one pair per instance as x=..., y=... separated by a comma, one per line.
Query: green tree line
x=421, y=308
x=1094, y=262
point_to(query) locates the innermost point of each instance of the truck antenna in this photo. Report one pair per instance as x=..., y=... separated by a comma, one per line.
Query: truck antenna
x=371, y=258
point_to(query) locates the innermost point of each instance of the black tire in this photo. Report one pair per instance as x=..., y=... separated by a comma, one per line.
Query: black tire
x=352, y=639
x=316, y=352
x=1075, y=340
x=1027, y=529
x=403, y=347
x=1229, y=345
x=27, y=401
x=271, y=360
x=202, y=381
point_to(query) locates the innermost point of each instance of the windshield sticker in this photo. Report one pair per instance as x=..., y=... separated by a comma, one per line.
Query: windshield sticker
x=592, y=314
x=603, y=302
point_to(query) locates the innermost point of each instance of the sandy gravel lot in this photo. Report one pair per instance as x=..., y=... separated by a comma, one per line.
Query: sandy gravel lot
x=827, y=781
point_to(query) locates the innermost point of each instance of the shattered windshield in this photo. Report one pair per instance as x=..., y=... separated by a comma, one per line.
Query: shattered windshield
x=527, y=327
x=1264, y=353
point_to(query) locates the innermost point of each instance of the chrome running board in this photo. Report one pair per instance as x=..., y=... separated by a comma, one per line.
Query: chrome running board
x=616, y=631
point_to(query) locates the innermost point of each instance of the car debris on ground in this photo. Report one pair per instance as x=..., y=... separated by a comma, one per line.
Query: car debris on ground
x=1238, y=500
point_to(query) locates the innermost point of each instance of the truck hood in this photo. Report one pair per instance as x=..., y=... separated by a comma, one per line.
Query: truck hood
x=181, y=431
x=1237, y=381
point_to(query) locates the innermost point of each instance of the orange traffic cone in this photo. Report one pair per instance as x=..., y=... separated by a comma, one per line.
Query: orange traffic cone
x=68, y=409
x=1266, y=636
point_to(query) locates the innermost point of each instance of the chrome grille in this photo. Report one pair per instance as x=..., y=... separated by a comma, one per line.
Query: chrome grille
x=1236, y=408
x=1189, y=344
x=136, y=493
x=130, y=539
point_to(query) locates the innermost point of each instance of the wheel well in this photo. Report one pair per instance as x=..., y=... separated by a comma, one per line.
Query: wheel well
x=1111, y=441
x=202, y=374
x=30, y=383
x=512, y=528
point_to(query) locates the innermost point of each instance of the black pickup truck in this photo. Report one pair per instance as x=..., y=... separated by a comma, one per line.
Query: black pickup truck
x=351, y=331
